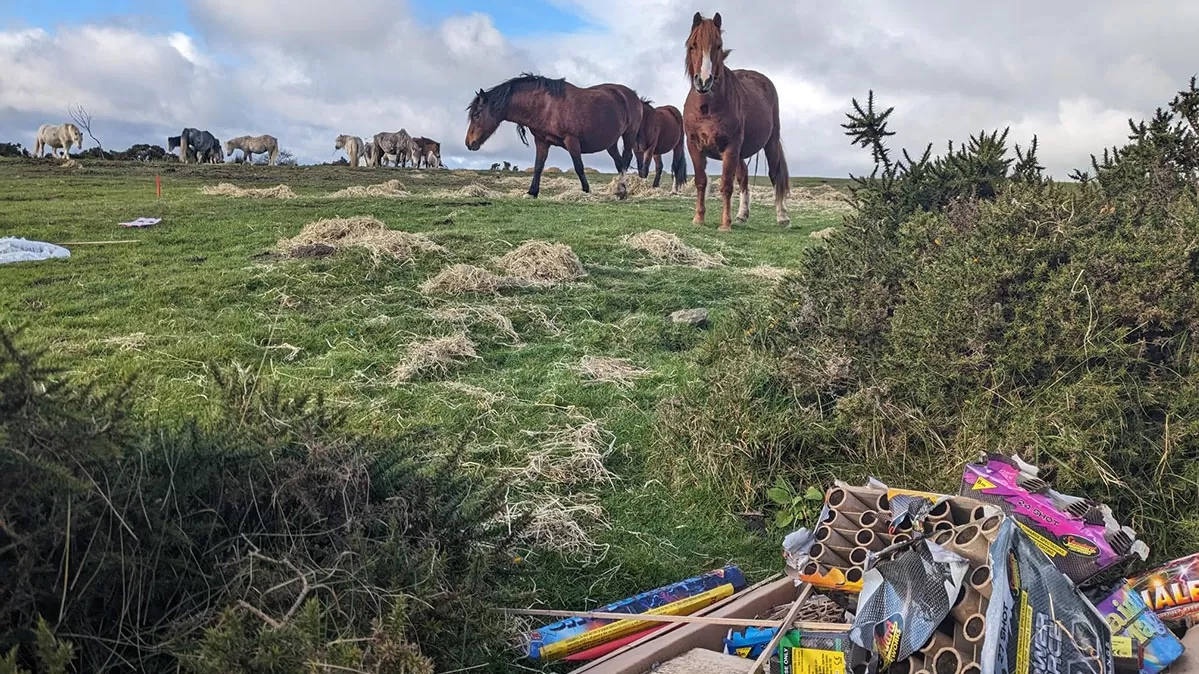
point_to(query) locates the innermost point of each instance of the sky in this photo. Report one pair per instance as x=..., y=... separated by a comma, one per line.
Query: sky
x=306, y=71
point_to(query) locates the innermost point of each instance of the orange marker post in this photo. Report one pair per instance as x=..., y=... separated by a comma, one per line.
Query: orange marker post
x=158, y=185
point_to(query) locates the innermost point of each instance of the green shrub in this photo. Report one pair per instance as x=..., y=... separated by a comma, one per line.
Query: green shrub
x=224, y=542
x=971, y=304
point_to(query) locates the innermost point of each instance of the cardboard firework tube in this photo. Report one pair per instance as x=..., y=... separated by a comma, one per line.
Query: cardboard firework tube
x=943, y=525
x=858, y=500
x=944, y=538
x=939, y=512
x=828, y=556
x=936, y=643
x=813, y=569
x=859, y=556
x=871, y=520
x=980, y=580
x=831, y=538
x=866, y=539
x=972, y=668
x=973, y=629
x=853, y=575
x=969, y=603
x=970, y=543
x=947, y=661
x=990, y=525
x=965, y=512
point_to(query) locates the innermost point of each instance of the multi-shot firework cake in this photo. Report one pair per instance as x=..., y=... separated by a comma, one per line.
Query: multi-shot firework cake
x=1081, y=536
x=1171, y=590
x=1128, y=615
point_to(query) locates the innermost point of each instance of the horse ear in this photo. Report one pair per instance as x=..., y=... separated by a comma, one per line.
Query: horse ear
x=697, y=19
x=716, y=19
x=725, y=54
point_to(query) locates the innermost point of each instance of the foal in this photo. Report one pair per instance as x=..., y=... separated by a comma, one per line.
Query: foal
x=730, y=115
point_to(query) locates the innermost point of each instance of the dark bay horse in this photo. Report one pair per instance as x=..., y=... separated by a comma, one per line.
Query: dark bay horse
x=730, y=115
x=581, y=120
x=661, y=132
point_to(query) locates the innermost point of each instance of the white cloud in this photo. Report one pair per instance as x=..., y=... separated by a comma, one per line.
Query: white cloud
x=307, y=70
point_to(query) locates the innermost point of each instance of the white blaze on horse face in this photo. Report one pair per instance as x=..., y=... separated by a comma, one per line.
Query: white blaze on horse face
x=705, y=69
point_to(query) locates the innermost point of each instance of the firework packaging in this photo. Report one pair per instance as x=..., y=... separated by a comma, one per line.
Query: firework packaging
x=1171, y=590
x=1129, y=616
x=1080, y=536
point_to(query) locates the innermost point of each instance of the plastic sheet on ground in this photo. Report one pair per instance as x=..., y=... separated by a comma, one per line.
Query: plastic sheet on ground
x=14, y=249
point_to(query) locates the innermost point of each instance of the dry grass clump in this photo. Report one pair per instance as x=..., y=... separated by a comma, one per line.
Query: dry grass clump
x=70, y=163
x=571, y=455
x=434, y=356
x=768, y=272
x=635, y=184
x=823, y=234
x=542, y=262
x=575, y=196
x=476, y=190
x=229, y=190
x=667, y=248
x=461, y=279
x=389, y=189
x=561, y=524
x=130, y=342
x=364, y=232
x=619, y=371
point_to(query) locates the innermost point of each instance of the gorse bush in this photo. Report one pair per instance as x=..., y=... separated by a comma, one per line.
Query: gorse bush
x=972, y=304
x=264, y=537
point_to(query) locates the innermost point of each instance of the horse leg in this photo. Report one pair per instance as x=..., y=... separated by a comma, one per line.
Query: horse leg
x=776, y=162
x=743, y=185
x=622, y=188
x=699, y=161
x=543, y=151
x=657, y=170
x=730, y=165
x=576, y=155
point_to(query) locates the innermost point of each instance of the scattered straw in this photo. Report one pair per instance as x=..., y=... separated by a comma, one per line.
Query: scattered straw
x=434, y=356
x=575, y=196
x=768, y=272
x=228, y=190
x=667, y=248
x=389, y=189
x=465, y=317
x=619, y=371
x=131, y=342
x=460, y=279
x=571, y=455
x=823, y=234
x=636, y=186
x=70, y=163
x=543, y=262
x=560, y=525
x=476, y=190
x=362, y=231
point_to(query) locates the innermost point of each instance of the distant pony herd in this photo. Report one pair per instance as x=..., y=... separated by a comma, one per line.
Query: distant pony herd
x=729, y=116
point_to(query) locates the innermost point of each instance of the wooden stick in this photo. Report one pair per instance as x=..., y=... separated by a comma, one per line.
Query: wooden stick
x=760, y=663
x=97, y=243
x=703, y=620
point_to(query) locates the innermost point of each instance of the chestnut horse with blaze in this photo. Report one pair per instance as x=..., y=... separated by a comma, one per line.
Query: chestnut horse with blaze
x=661, y=132
x=581, y=120
x=730, y=115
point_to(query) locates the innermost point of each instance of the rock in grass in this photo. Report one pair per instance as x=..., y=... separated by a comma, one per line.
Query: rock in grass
x=696, y=318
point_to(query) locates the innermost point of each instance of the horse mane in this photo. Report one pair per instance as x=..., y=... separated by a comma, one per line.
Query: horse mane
x=719, y=31
x=498, y=97
x=647, y=100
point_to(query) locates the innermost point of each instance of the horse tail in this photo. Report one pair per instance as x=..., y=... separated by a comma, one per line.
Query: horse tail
x=678, y=165
x=779, y=175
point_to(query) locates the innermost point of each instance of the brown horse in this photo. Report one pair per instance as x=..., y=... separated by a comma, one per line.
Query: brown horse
x=661, y=132
x=730, y=115
x=581, y=120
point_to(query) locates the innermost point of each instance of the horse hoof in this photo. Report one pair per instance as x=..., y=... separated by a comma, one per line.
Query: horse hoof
x=741, y=219
x=697, y=220
x=725, y=228
x=785, y=224
x=622, y=192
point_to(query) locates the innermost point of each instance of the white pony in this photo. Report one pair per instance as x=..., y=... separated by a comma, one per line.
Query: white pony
x=56, y=136
x=252, y=145
x=353, y=147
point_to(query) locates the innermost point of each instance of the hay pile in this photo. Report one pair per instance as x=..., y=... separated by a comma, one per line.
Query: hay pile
x=667, y=248
x=229, y=190
x=390, y=189
x=364, y=232
x=823, y=234
x=575, y=196
x=461, y=279
x=619, y=371
x=637, y=187
x=466, y=317
x=543, y=263
x=434, y=356
x=476, y=190
x=70, y=163
x=561, y=524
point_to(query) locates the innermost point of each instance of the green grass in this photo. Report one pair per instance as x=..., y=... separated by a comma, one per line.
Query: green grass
x=194, y=289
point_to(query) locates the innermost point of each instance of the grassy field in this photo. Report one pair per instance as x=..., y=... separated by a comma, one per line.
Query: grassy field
x=205, y=287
